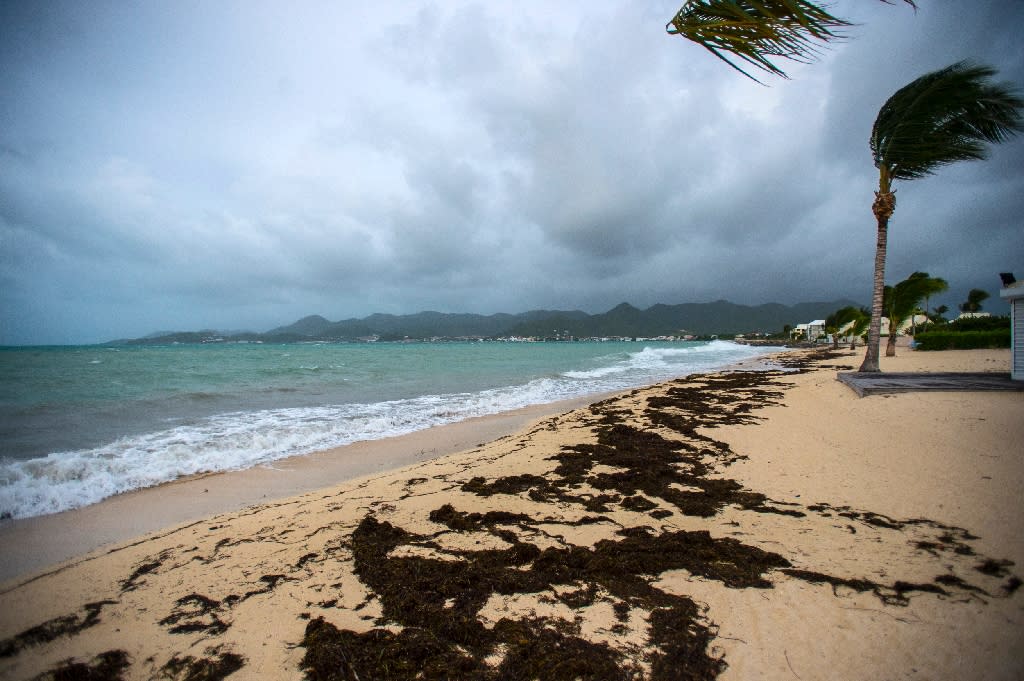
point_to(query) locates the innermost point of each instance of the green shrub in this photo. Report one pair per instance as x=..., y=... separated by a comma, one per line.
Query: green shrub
x=979, y=324
x=963, y=340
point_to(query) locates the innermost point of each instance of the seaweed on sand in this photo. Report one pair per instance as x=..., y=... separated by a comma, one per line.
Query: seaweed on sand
x=896, y=594
x=65, y=625
x=464, y=522
x=646, y=463
x=677, y=471
x=437, y=603
x=195, y=613
x=132, y=581
x=541, y=650
x=218, y=666
x=108, y=666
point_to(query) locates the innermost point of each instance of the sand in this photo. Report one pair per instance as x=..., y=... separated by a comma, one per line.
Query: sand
x=741, y=525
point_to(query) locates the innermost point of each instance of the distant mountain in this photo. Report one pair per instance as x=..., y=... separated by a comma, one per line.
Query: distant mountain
x=718, y=318
x=419, y=325
x=701, y=319
x=313, y=325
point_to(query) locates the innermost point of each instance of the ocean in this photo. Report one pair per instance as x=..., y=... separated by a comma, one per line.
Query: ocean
x=80, y=424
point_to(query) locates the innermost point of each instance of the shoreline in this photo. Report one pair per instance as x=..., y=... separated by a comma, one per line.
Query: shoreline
x=37, y=543
x=746, y=524
x=41, y=542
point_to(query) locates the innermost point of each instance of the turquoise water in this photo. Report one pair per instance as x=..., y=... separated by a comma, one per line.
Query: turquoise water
x=78, y=424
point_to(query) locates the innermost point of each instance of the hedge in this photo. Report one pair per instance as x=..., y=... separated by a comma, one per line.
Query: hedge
x=980, y=323
x=963, y=340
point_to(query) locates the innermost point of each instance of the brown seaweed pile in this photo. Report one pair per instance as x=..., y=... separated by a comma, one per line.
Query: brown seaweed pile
x=437, y=602
x=107, y=666
x=51, y=630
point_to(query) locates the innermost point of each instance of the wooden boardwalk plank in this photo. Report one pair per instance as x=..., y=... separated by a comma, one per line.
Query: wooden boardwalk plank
x=905, y=382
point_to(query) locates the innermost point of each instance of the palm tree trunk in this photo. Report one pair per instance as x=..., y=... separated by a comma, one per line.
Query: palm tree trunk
x=883, y=208
x=890, y=346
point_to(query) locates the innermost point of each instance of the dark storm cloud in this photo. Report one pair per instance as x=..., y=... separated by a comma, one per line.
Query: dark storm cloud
x=238, y=165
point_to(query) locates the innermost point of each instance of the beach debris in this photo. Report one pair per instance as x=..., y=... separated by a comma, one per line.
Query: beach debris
x=218, y=665
x=107, y=666
x=56, y=628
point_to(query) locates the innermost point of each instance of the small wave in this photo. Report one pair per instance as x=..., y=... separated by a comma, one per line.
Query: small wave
x=199, y=396
x=595, y=373
x=661, y=362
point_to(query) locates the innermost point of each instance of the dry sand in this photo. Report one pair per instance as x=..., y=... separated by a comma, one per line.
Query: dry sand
x=746, y=525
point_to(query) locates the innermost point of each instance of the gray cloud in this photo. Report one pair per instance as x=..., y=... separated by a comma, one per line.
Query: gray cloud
x=241, y=165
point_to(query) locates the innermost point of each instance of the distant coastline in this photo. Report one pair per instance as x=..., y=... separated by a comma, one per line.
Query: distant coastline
x=687, y=321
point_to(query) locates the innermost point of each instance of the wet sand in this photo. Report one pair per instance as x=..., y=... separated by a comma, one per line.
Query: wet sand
x=752, y=524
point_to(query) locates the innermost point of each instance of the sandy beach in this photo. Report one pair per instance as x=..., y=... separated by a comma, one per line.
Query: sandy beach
x=742, y=525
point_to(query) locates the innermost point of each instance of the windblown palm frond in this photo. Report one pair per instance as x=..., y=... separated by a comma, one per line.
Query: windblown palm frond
x=943, y=117
x=901, y=300
x=858, y=316
x=757, y=31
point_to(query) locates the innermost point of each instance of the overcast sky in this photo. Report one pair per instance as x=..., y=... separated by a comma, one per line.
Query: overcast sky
x=175, y=165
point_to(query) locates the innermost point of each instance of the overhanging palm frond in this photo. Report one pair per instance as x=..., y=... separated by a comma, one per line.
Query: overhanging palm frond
x=758, y=31
x=943, y=117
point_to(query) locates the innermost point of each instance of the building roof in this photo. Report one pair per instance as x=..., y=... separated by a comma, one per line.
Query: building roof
x=1013, y=291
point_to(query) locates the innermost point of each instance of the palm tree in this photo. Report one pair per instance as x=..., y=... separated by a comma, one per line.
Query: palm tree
x=942, y=117
x=854, y=320
x=901, y=301
x=975, y=297
x=832, y=326
x=757, y=31
x=860, y=327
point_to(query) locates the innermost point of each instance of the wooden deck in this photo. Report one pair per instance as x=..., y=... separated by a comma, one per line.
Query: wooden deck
x=907, y=382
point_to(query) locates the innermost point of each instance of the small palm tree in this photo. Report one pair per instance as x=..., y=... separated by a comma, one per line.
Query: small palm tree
x=854, y=321
x=901, y=302
x=832, y=328
x=758, y=31
x=942, y=117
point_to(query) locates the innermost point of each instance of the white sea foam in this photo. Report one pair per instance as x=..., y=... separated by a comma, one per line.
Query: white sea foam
x=659, y=363
x=66, y=480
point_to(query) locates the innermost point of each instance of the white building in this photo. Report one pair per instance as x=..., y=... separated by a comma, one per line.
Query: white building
x=811, y=331
x=1014, y=295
